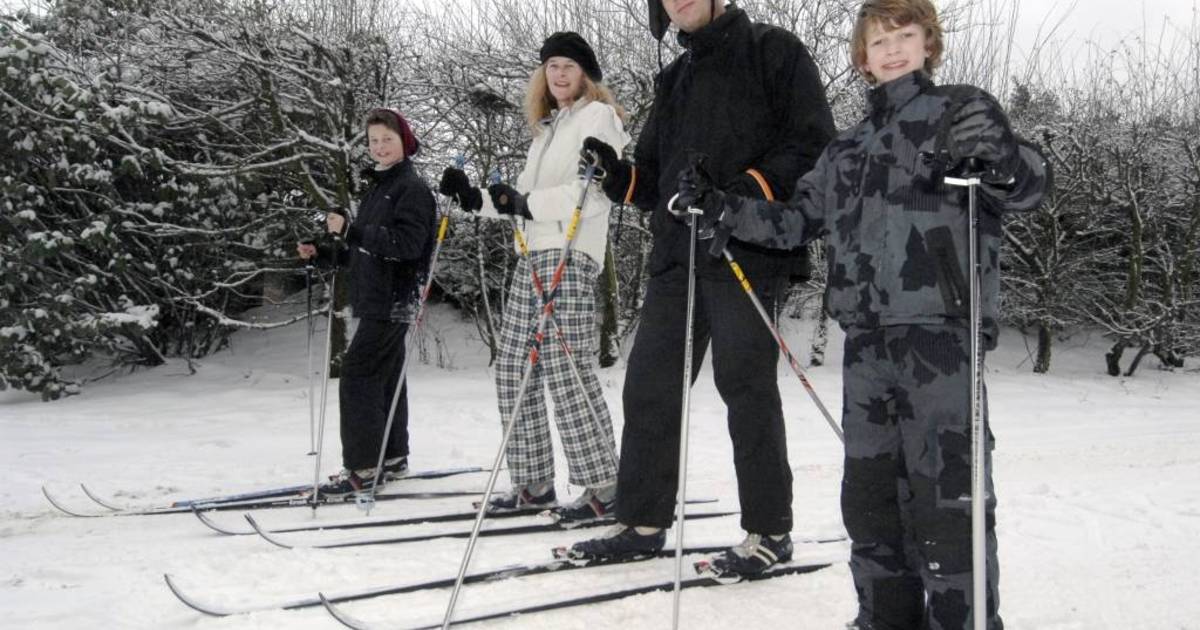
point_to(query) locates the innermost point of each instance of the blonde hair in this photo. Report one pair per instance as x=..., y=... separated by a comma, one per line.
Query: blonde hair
x=539, y=102
x=893, y=14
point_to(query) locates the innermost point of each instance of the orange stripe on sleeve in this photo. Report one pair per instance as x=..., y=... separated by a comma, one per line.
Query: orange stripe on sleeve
x=762, y=182
x=632, y=185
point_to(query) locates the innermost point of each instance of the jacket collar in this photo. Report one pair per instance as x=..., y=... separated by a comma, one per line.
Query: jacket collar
x=389, y=173
x=887, y=99
x=579, y=104
x=716, y=33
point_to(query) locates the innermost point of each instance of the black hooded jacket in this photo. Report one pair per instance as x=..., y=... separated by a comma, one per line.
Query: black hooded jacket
x=389, y=244
x=749, y=97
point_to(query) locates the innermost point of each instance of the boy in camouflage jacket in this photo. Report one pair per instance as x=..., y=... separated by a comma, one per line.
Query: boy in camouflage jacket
x=896, y=239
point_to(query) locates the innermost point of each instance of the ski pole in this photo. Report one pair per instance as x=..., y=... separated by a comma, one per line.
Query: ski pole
x=312, y=418
x=783, y=348
x=978, y=426
x=325, y=384
x=566, y=347
x=547, y=311
x=685, y=411
x=368, y=501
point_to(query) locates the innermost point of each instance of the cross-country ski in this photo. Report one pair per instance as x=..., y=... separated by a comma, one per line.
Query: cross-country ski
x=571, y=315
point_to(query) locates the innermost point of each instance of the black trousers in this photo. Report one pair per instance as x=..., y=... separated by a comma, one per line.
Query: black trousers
x=744, y=364
x=370, y=372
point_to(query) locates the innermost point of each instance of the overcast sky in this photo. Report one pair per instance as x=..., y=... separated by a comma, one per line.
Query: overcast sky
x=1103, y=21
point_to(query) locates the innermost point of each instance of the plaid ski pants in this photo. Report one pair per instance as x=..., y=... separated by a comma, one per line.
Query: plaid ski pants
x=588, y=448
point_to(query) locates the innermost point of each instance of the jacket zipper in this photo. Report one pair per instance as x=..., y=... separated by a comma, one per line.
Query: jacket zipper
x=537, y=171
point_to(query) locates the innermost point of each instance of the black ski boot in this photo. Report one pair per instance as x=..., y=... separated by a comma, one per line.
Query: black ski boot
x=588, y=508
x=523, y=500
x=348, y=482
x=756, y=554
x=620, y=542
x=395, y=468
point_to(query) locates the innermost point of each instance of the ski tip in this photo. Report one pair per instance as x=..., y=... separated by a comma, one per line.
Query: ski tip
x=60, y=507
x=211, y=524
x=96, y=498
x=264, y=534
x=341, y=616
x=189, y=602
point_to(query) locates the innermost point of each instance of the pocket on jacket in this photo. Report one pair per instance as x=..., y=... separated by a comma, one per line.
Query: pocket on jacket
x=950, y=278
x=919, y=188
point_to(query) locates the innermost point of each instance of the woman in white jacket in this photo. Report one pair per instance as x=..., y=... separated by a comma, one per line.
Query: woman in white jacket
x=565, y=103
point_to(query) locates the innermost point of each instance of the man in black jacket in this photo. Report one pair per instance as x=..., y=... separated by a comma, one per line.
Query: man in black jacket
x=748, y=97
x=388, y=247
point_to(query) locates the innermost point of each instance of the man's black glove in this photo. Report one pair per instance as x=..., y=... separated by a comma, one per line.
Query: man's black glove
x=456, y=185
x=698, y=190
x=508, y=201
x=613, y=173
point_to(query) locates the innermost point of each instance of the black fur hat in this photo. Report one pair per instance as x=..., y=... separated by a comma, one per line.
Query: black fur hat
x=573, y=47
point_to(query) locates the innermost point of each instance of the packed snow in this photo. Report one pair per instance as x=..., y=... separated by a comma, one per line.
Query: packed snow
x=1097, y=478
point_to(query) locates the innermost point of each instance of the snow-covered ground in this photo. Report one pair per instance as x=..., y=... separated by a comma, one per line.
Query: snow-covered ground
x=1098, y=480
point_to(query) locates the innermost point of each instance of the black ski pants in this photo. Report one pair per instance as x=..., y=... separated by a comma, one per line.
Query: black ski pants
x=744, y=369
x=370, y=372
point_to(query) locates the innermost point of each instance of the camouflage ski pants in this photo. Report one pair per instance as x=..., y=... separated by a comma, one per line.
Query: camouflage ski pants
x=589, y=449
x=907, y=484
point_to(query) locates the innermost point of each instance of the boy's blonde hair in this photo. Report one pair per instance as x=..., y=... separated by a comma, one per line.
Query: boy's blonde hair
x=892, y=14
x=539, y=102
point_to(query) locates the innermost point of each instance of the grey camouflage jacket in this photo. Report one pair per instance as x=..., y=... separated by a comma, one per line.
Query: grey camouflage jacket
x=896, y=236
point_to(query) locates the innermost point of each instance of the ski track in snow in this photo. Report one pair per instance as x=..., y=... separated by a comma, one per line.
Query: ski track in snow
x=1097, y=479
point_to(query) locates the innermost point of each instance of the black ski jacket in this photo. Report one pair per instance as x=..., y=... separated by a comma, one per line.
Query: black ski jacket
x=749, y=97
x=389, y=244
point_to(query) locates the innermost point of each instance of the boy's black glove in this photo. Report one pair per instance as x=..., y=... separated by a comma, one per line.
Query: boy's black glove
x=456, y=185
x=612, y=172
x=987, y=150
x=508, y=201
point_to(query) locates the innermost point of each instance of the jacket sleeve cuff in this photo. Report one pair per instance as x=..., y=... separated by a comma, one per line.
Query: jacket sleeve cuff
x=633, y=177
x=763, y=185
x=753, y=184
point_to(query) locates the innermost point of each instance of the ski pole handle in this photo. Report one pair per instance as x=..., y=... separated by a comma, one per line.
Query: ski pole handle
x=672, y=207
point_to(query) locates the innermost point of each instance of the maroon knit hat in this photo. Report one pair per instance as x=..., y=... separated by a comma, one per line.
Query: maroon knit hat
x=395, y=121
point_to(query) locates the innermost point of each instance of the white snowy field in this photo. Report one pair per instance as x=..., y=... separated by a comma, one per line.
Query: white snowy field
x=1098, y=480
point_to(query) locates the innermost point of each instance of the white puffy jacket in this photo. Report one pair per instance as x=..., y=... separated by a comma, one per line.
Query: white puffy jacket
x=552, y=184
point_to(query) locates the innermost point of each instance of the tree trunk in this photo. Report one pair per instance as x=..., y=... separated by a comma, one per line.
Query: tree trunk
x=1138, y=359
x=489, y=323
x=820, y=337
x=338, y=342
x=608, y=311
x=1113, y=358
x=1041, y=364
